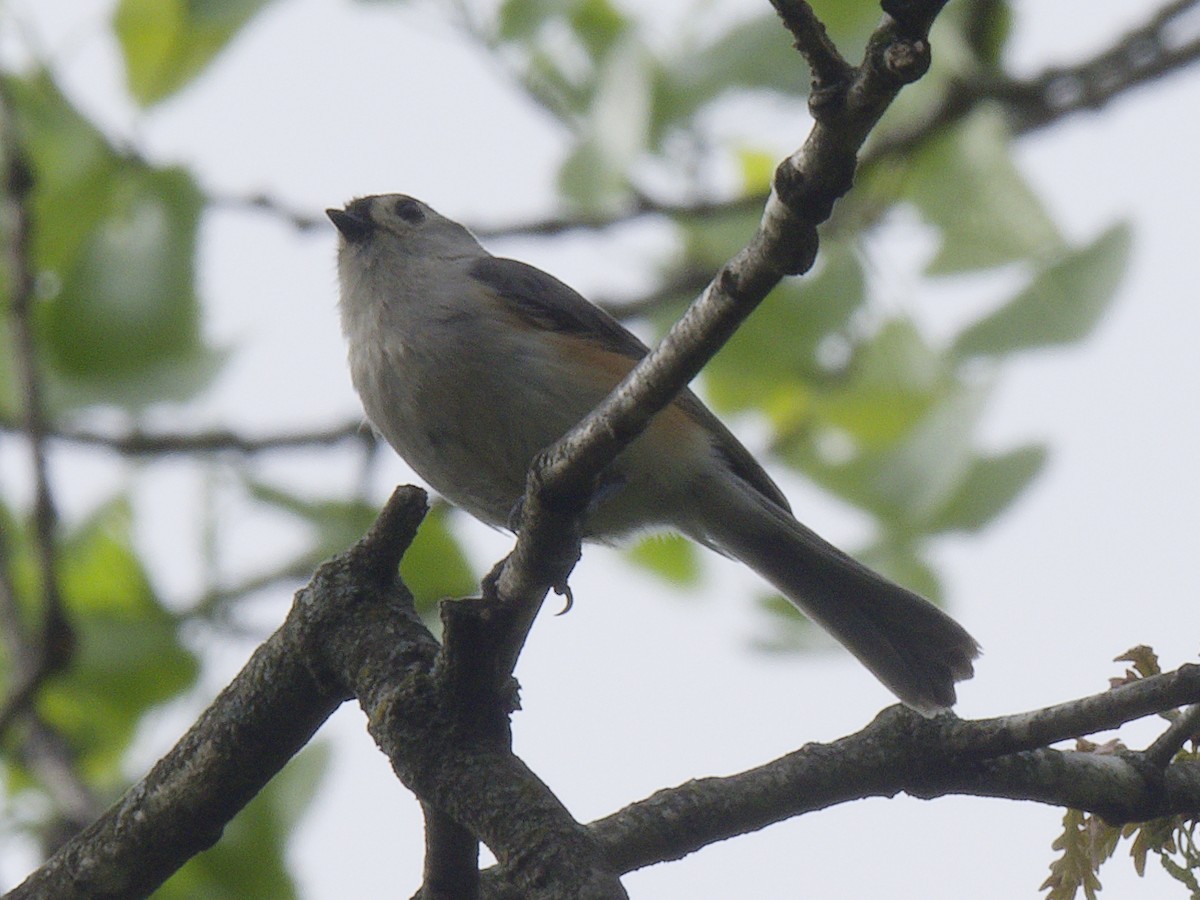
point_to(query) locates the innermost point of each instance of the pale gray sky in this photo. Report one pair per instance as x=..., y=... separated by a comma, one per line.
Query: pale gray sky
x=642, y=687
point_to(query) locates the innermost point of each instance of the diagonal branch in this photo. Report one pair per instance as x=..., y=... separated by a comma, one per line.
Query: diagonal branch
x=352, y=631
x=805, y=188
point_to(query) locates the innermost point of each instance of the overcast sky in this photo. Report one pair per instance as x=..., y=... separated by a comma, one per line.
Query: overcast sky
x=642, y=687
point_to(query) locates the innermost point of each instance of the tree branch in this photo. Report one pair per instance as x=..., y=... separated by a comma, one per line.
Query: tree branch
x=806, y=186
x=901, y=752
x=265, y=715
x=35, y=656
x=352, y=631
x=138, y=443
x=1146, y=53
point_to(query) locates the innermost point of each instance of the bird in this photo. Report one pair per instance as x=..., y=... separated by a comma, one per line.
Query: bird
x=469, y=364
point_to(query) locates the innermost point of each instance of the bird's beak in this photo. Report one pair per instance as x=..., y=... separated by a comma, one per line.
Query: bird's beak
x=354, y=224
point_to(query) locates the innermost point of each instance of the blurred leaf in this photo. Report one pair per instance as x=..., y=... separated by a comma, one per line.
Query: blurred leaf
x=849, y=23
x=73, y=167
x=772, y=363
x=435, y=567
x=125, y=326
x=900, y=561
x=337, y=523
x=929, y=465
x=128, y=657
x=985, y=28
x=1061, y=306
x=598, y=24
x=560, y=49
x=616, y=131
x=114, y=244
x=755, y=53
x=590, y=181
x=9, y=404
x=785, y=629
x=249, y=862
x=905, y=479
x=166, y=43
x=757, y=169
x=894, y=378
x=990, y=485
x=965, y=184
x=519, y=20
x=708, y=241
x=671, y=556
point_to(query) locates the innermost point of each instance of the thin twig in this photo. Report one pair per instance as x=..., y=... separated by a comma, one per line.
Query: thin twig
x=220, y=440
x=812, y=40
x=49, y=649
x=1151, y=51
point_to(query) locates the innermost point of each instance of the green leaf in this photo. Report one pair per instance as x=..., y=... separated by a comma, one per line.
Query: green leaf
x=114, y=244
x=772, y=363
x=73, y=169
x=899, y=560
x=249, y=862
x=990, y=486
x=965, y=184
x=755, y=53
x=598, y=24
x=519, y=20
x=125, y=326
x=616, y=131
x=902, y=476
x=9, y=402
x=670, y=556
x=757, y=169
x=711, y=240
x=166, y=43
x=894, y=379
x=128, y=656
x=784, y=629
x=337, y=524
x=1062, y=305
x=435, y=567
x=929, y=465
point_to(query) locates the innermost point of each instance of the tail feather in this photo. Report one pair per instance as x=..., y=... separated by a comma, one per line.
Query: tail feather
x=910, y=645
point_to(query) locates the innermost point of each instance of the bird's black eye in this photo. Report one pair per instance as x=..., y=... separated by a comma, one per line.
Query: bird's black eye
x=409, y=210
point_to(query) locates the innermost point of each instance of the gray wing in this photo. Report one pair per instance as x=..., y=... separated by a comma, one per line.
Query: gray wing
x=529, y=289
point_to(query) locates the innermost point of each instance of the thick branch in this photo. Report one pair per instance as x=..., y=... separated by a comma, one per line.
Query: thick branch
x=266, y=714
x=351, y=632
x=902, y=752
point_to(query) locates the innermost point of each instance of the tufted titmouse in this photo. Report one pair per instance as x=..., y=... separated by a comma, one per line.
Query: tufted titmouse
x=469, y=364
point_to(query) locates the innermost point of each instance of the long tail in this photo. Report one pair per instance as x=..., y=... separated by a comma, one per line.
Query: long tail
x=910, y=645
